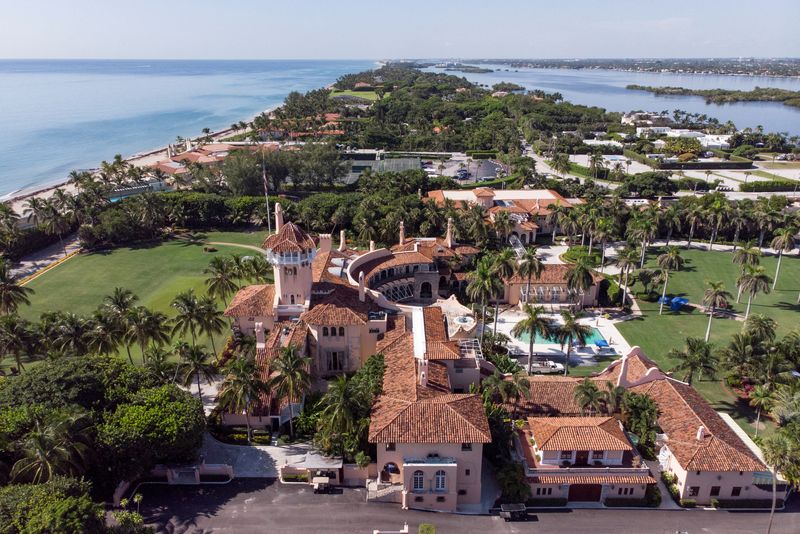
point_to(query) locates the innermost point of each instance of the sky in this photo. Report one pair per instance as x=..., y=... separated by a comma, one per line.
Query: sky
x=377, y=29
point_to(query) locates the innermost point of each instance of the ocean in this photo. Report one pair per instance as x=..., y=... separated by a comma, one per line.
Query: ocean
x=62, y=115
x=59, y=116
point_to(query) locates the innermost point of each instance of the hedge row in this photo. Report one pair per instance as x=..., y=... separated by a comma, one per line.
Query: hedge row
x=770, y=185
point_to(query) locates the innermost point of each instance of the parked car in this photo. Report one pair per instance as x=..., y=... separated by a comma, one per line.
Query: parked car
x=546, y=367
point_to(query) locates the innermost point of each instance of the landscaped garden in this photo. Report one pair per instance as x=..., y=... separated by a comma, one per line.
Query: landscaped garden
x=155, y=272
x=657, y=335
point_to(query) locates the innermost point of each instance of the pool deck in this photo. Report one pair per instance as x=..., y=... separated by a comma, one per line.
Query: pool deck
x=511, y=316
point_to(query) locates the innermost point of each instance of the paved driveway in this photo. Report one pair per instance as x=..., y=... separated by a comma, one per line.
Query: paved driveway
x=258, y=461
x=256, y=506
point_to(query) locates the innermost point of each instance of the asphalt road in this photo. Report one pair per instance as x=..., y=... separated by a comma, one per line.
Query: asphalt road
x=246, y=506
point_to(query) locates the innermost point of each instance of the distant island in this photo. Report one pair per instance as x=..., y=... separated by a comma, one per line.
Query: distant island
x=469, y=69
x=729, y=66
x=727, y=96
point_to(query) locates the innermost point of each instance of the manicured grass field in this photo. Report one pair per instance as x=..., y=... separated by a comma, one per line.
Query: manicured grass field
x=366, y=95
x=658, y=334
x=156, y=273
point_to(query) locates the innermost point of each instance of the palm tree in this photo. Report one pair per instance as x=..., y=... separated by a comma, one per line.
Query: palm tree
x=104, y=335
x=753, y=281
x=147, y=327
x=696, y=357
x=672, y=217
x=221, y=281
x=55, y=222
x=603, y=231
x=195, y=367
x=760, y=399
x=558, y=214
x=571, y=331
x=613, y=397
x=693, y=215
x=717, y=212
x=626, y=261
x=560, y=164
x=778, y=455
x=748, y=254
x=241, y=387
x=209, y=319
x=533, y=322
x=783, y=241
x=118, y=305
x=518, y=387
x=58, y=446
x=595, y=163
x=482, y=285
x=714, y=297
x=341, y=405
x=292, y=378
x=503, y=267
x=579, y=278
x=588, y=396
x=12, y=294
x=158, y=364
x=16, y=338
x=503, y=225
x=670, y=260
x=529, y=265
x=188, y=317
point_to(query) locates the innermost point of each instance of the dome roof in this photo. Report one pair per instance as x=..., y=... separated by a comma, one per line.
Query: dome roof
x=290, y=238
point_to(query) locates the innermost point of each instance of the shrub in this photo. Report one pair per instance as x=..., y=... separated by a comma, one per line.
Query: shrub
x=426, y=528
x=652, y=495
x=580, y=251
x=668, y=478
x=688, y=503
x=296, y=477
x=715, y=503
x=769, y=185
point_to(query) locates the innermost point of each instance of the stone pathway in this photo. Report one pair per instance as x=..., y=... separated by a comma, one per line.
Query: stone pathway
x=37, y=261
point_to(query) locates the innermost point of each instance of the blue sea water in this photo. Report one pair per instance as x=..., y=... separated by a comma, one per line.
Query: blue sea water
x=61, y=115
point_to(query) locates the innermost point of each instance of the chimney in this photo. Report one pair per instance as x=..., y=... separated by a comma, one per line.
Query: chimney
x=402, y=239
x=342, y=240
x=448, y=240
x=371, y=245
x=701, y=433
x=188, y=145
x=278, y=217
x=325, y=242
x=423, y=374
x=416, y=246
x=361, y=290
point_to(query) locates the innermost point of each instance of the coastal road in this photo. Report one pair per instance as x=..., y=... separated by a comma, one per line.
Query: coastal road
x=265, y=505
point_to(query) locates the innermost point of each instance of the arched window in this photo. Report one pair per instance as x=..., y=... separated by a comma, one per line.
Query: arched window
x=439, y=481
x=291, y=299
x=341, y=331
x=333, y=331
x=418, y=481
x=325, y=331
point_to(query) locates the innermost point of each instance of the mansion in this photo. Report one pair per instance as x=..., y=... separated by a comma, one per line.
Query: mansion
x=339, y=306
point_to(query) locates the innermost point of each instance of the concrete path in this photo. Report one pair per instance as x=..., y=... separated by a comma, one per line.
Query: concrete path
x=667, y=502
x=240, y=245
x=37, y=261
x=252, y=461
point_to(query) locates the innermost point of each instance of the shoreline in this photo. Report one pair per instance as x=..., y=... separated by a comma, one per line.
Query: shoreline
x=20, y=195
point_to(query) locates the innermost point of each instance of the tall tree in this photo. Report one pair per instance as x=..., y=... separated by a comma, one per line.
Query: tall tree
x=761, y=400
x=118, y=305
x=588, y=396
x=147, y=328
x=579, y=278
x=748, y=254
x=188, y=310
x=784, y=241
x=504, y=265
x=571, y=330
x=221, y=281
x=292, y=378
x=209, y=319
x=754, y=280
x=12, y=294
x=779, y=454
x=503, y=225
x=533, y=322
x=697, y=357
x=195, y=367
x=715, y=296
x=670, y=260
x=241, y=387
x=529, y=265
x=482, y=285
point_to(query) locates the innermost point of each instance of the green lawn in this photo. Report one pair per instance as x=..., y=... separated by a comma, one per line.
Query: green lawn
x=156, y=273
x=366, y=95
x=658, y=334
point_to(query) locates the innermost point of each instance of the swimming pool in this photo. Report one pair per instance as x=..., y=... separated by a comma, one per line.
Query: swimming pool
x=591, y=339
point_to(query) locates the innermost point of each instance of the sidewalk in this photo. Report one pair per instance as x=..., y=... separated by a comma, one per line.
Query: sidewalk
x=252, y=461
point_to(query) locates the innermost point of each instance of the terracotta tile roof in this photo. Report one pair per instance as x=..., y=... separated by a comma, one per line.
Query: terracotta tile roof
x=592, y=479
x=290, y=238
x=397, y=259
x=578, y=434
x=435, y=248
x=252, y=301
x=483, y=192
x=407, y=412
x=268, y=403
x=682, y=411
x=438, y=377
x=450, y=418
x=433, y=321
x=529, y=225
x=551, y=395
x=442, y=350
x=553, y=273
x=638, y=366
x=510, y=209
x=339, y=307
